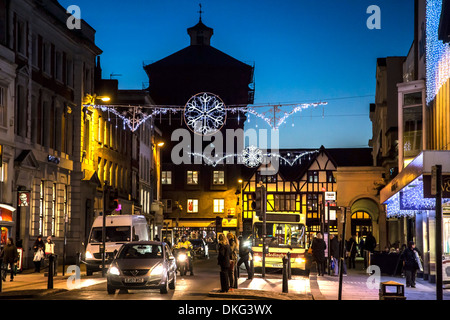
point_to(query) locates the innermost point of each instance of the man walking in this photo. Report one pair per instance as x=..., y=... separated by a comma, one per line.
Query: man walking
x=410, y=264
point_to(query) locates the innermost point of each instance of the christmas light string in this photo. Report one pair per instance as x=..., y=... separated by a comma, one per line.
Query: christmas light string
x=253, y=157
x=135, y=115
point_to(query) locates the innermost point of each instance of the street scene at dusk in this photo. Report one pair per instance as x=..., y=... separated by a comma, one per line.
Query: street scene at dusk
x=236, y=158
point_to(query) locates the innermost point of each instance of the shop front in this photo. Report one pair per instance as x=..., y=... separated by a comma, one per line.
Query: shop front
x=6, y=222
x=409, y=198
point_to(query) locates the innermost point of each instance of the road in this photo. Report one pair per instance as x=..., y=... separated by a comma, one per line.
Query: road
x=188, y=287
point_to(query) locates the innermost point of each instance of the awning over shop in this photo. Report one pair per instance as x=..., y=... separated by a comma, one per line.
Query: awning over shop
x=190, y=224
x=404, y=195
x=6, y=212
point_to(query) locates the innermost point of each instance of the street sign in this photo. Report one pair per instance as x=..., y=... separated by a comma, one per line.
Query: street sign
x=330, y=195
x=433, y=181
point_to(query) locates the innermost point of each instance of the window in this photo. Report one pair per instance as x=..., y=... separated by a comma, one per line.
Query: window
x=192, y=206
x=192, y=177
x=219, y=205
x=313, y=176
x=312, y=205
x=69, y=72
x=21, y=37
x=166, y=177
x=218, y=177
x=47, y=58
x=3, y=107
x=41, y=206
x=59, y=66
x=330, y=177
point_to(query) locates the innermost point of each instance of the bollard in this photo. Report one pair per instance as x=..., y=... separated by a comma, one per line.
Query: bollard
x=252, y=267
x=236, y=277
x=50, y=272
x=1, y=274
x=285, y=276
x=289, y=266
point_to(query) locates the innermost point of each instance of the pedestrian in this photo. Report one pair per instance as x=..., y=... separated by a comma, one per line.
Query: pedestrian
x=49, y=250
x=352, y=251
x=318, y=250
x=369, y=247
x=244, y=254
x=410, y=264
x=10, y=256
x=234, y=246
x=38, y=249
x=223, y=260
x=334, y=253
x=345, y=255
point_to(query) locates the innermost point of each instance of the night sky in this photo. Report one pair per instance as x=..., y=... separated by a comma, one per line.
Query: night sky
x=303, y=51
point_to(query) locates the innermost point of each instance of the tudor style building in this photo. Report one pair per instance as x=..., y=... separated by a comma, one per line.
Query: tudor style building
x=300, y=184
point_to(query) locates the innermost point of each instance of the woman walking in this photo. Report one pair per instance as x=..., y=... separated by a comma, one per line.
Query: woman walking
x=38, y=249
x=232, y=241
x=223, y=260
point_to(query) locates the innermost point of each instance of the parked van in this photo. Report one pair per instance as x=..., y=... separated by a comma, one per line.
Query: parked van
x=120, y=229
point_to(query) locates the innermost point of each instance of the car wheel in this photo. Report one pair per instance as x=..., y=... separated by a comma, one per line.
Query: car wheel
x=110, y=289
x=165, y=287
x=173, y=283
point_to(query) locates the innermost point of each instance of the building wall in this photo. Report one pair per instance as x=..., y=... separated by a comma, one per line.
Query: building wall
x=54, y=71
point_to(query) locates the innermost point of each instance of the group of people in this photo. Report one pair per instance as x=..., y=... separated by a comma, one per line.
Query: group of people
x=229, y=250
x=9, y=255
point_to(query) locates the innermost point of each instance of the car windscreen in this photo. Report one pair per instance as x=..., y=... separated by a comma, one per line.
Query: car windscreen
x=113, y=234
x=141, y=251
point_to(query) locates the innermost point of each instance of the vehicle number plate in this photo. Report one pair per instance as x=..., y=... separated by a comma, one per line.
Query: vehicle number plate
x=134, y=280
x=277, y=265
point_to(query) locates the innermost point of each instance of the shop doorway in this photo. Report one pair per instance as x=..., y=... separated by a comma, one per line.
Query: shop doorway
x=361, y=224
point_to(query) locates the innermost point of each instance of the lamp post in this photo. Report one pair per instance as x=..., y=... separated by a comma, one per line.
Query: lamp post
x=241, y=205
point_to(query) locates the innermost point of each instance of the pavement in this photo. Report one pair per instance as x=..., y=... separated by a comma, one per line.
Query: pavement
x=357, y=285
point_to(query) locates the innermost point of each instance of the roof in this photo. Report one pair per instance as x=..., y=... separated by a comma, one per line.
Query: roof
x=197, y=56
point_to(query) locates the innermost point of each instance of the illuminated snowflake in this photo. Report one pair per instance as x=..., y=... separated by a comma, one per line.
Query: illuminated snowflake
x=205, y=113
x=252, y=157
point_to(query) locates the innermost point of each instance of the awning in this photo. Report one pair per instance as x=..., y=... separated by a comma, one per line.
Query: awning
x=404, y=195
x=193, y=224
x=421, y=165
x=6, y=212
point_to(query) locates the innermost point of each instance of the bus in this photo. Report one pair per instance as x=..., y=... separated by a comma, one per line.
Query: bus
x=284, y=233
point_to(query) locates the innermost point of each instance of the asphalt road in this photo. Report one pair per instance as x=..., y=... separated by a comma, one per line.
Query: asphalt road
x=197, y=287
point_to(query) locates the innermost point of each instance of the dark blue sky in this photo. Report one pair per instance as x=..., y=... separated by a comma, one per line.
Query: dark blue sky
x=303, y=51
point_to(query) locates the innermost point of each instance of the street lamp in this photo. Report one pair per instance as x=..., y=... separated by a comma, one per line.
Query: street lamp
x=241, y=215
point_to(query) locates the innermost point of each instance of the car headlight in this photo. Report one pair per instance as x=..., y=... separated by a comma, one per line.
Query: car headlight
x=114, y=270
x=89, y=255
x=158, y=270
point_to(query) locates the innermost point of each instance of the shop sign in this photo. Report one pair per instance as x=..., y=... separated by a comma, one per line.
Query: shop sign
x=24, y=199
x=427, y=187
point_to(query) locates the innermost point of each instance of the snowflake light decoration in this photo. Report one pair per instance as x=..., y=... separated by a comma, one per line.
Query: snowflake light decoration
x=252, y=157
x=205, y=113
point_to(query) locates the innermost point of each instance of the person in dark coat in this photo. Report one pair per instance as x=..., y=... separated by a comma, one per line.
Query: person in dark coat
x=352, y=251
x=244, y=254
x=223, y=260
x=334, y=252
x=410, y=264
x=318, y=251
x=10, y=256
x=38, y=245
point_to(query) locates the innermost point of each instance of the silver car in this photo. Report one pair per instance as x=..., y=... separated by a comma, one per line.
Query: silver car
x=142, y=265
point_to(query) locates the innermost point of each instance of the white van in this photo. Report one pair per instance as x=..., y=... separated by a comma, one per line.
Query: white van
x=120, y=229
